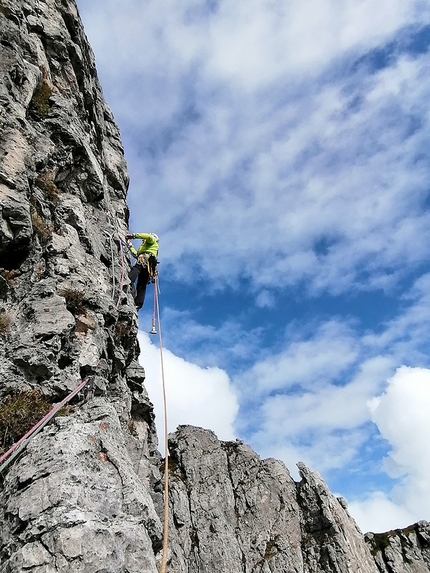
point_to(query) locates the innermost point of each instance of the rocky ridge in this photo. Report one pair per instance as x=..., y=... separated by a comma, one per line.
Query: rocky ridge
x=87, y=494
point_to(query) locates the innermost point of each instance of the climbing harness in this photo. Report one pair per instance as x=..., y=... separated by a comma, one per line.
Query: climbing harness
x=149, y=261
x=22, y=443
x=143, y=260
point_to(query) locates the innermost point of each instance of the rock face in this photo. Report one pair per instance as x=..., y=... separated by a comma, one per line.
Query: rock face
x=79, y=499
x=232, y=511
x=406, y=550
x=86, y=495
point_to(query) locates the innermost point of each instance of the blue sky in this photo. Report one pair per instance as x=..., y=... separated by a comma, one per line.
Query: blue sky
x=280, y=149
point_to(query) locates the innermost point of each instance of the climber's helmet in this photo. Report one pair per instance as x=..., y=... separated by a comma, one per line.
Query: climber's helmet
x=153, y=235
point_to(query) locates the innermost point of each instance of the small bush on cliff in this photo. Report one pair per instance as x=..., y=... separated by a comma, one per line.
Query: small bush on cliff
x=45, y=181
x=18, y=414
x=39, y=271
x=40, y=101
x=42, y=229
x=10, y=275
x=74, y=300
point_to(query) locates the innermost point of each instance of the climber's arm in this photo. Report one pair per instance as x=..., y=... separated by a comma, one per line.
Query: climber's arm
x=128, y=238
x=143, y=237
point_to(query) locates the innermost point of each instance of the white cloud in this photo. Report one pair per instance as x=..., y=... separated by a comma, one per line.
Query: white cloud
x=323, y=425
x=377, y=513
x=248, y=43
x=198, y=396
x=254, y=42
x=325, y=451
x=328, y=407
x=306, y=363
x=402, y=416
x=406, y=335
x=265, y=299
x=209, y=345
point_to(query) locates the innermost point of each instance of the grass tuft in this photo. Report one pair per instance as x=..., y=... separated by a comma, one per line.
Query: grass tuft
x=40, y=100
x=10, y=275
x=42, y=229
x=18, y=414
x=46, y=183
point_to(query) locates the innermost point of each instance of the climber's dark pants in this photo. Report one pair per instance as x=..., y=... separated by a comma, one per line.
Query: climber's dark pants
x=141, y=273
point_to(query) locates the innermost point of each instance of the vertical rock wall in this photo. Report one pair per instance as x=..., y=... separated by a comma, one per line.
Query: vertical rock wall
x=232, y=511
x=78, y=500
x=86, y=496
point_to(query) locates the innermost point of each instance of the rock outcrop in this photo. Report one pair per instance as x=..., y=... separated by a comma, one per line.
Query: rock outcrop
x=79, y=500
x=86, y=496
x=406, y=550
x=232, y=511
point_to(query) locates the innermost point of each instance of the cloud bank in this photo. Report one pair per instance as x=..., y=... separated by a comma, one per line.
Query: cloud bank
x=197, y=396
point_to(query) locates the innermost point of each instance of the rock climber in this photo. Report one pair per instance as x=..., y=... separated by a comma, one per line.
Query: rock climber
x=146, y=263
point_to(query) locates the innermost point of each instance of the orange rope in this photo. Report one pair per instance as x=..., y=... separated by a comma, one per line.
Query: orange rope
x=166, y=443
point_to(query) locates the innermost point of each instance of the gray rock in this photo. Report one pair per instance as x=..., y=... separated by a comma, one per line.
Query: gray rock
x=230, y=511
x=86, y=495
x=78, y=499
x=402, y=550
x=81, y=499
x=332, y=540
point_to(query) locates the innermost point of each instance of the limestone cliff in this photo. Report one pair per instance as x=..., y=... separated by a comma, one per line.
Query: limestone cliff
x=86, y=494
x=80, y=496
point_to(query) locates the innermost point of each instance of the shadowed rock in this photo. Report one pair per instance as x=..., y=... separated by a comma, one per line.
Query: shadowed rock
x=86, y=495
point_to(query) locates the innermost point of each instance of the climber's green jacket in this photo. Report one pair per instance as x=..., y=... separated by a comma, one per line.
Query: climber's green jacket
x=149, y=244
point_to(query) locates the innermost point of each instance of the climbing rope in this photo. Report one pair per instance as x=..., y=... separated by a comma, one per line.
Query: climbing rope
x=114, y=223
x=22, y=443
x=121, y=282
x=113, y=262
x=166, y=442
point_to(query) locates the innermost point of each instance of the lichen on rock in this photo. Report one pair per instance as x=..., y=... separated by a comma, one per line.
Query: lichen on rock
x=86, y=495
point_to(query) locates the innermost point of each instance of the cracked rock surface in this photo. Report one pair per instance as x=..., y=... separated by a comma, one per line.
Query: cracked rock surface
x=86, y=495
x=232, y=511
x=79, y=499
x=405, y=550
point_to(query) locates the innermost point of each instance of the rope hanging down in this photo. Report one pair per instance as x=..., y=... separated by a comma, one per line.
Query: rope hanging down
x=166, y=442
x=14, y=451
x=121, y=283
